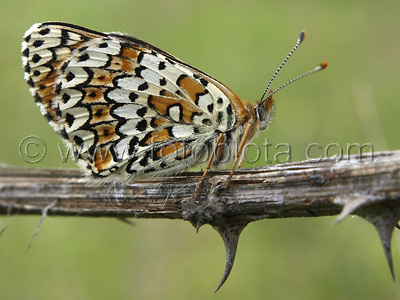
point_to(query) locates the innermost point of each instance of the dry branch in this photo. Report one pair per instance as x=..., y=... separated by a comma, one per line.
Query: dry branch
x=303, y=189
x=368, y=186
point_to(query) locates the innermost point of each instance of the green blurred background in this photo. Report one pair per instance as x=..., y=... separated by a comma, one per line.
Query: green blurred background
x=240, y=43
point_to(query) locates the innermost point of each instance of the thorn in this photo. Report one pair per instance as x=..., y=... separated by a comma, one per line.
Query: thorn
x=350, y=205
x=385, y=219
x=198, y=223
x=127, y=221
x=5, y=226
x=44, y=215
x=230, y=235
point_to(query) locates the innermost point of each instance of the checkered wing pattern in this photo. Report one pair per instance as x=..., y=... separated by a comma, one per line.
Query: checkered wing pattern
x=124, y=106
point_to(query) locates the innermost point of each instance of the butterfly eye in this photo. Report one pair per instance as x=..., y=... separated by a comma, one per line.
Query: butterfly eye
x=265, y=112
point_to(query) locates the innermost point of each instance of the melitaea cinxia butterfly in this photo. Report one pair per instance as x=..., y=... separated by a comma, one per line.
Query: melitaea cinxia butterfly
x=131, y=110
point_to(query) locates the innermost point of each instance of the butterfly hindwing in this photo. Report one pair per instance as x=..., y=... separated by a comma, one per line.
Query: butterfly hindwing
x=123, y=105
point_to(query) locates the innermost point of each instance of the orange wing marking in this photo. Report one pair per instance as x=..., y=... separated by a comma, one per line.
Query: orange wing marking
x=93, y=95
x=158, y=136
x=102, y=157
x=100, y=113
x=161, y=104
x=169, y=149
x=106, y=133
x=190, y=86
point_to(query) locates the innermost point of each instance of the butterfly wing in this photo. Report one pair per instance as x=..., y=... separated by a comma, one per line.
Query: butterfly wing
x=124, y=106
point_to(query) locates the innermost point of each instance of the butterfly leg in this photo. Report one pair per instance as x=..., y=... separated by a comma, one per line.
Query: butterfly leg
x=242, y=158
x=239, y=165
x=220, y=141
x=245, y=138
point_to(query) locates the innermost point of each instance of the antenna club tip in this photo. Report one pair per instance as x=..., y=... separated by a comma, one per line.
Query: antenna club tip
x=324, y=64
x=302, y=36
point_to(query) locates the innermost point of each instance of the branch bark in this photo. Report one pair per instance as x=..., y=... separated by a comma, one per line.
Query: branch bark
x=302, y=189
x=368, y=186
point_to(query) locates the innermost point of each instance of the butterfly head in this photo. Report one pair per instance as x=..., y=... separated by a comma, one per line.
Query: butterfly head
x=265, y=112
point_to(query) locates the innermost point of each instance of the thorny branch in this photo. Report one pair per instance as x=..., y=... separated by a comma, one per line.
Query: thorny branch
x=367, y=185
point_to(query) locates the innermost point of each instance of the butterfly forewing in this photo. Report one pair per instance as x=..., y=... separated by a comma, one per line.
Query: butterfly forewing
x=123, y=105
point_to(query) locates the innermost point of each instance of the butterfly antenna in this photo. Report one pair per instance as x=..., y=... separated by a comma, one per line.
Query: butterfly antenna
x=301, y=38
x=322, y=66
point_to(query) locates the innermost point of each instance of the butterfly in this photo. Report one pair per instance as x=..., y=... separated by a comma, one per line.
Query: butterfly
x=131, y=110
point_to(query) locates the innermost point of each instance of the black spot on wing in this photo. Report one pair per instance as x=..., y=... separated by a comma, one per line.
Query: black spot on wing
x=30, y=82
x=140, y=57
x=144, y=86
x=83, y=49
x=64, y=37
x=63, y=133
x=36, y=58
x=138, y=71
x=69, y=118
x=58, y=110
x=219, y=117
x=170, y=61
x=207, y=122
x=229, y=109
x=38, y=43
x=25, y=52
x=141, y=125
x=133, y=145
x=39, y=100
x=44, y=31
x=98, y=113
x=204, y=82
x=145, y=160
x=78, y=140
x=65, y=98
x=133, y=96
x=141, y=112
x=70, y=76
x=83, y=57
x=161, y=65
